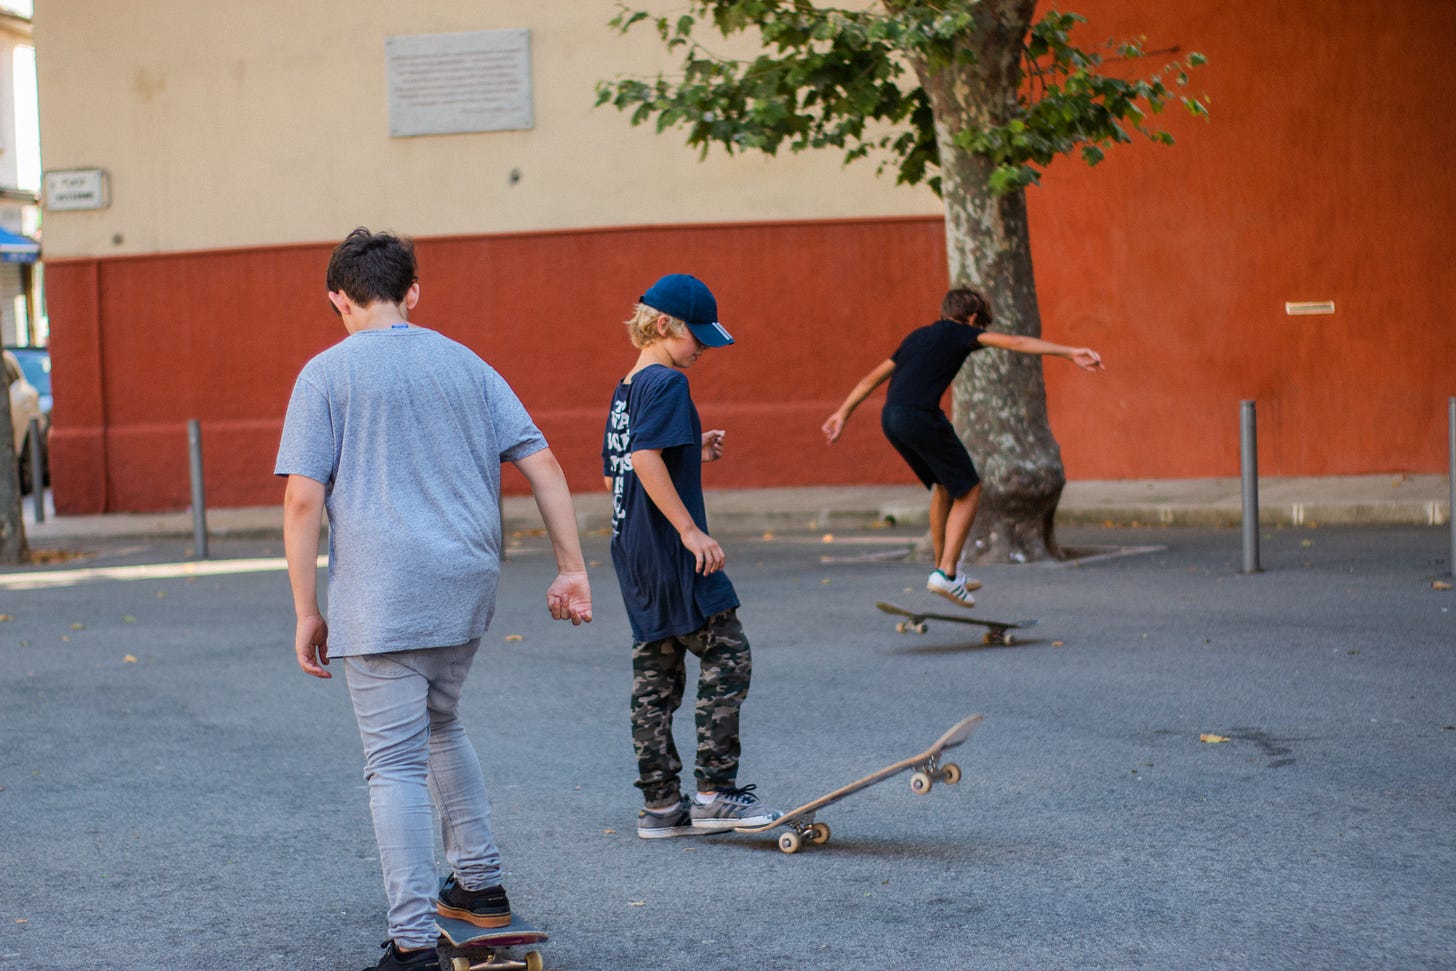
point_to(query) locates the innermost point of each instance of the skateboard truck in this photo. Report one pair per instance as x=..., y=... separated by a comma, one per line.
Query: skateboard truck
x=493, y=962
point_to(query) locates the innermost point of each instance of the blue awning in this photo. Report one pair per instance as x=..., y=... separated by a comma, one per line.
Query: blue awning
x=15, y=248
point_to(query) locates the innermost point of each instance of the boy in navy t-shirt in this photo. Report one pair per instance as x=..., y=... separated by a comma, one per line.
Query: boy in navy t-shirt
x=670, y=570
x=919, y=371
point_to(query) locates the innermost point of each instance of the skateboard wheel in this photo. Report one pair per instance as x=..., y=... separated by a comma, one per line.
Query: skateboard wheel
x=950, y=774
x=901, y=627
x=918, y=628
x=920, y=783
x=819, y=833
x=1008, y=639
x=460, y=964
x=533, y=961
x=789, y=842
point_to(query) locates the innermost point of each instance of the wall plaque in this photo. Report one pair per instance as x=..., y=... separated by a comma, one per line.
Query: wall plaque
x=443, y=84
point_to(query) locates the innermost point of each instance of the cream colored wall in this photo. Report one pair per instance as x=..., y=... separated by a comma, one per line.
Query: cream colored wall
x=226, y=124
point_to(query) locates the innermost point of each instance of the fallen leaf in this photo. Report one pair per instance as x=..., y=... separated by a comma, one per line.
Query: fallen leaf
x=78, y=627
x=129, y=659
x=768, y=535
x=609, y=832
x=1059, y=643
x=828, y=538
x=5, y=617
x=128, y=619
x=637, y=903
x=1212, y=739
x=515, y=637
x=1440, y=585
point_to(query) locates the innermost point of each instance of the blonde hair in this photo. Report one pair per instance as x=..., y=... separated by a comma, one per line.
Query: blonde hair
x=642, y=328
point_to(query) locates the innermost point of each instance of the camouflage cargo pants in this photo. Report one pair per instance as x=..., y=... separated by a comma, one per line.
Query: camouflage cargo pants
x=659, y=677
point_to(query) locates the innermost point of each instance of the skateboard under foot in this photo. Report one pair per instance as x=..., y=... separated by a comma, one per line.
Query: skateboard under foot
x=490, y=941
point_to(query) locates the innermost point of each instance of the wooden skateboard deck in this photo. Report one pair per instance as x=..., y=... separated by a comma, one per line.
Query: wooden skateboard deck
x=927, y=768
x=997, y=631
x=519, y=933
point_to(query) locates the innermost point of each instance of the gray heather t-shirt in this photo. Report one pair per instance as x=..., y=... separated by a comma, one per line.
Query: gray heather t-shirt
x=407, y=430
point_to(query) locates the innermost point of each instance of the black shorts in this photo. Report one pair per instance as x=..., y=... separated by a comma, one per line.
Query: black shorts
x=927, y=442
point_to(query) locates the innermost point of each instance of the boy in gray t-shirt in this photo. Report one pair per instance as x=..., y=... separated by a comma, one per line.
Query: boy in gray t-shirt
x=399, y=433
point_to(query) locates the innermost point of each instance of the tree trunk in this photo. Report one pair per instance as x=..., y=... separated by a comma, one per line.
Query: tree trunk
x=999, y=397
x=12, y=525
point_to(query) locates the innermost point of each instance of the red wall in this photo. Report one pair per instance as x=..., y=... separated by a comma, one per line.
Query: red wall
x=1323, y=175
x=149, y=343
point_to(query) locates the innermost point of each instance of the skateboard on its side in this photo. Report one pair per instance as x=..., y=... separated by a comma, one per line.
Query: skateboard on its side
x=490, y=940
x=997, y=631
x=928, y=770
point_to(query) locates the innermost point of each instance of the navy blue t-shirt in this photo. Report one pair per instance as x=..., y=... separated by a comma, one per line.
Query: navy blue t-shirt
x=927, y=360
x=663, y=595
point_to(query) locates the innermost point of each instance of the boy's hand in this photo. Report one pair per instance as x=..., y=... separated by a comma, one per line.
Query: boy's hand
x=713, y=445
x=1086, y=358
x=569, y=598
x=708, y=556
x=311, y=644
x=833, y=428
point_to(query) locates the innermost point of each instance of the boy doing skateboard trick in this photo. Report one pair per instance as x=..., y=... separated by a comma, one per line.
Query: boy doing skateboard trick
x=670, y=570
x=919, y=371
x=400, y=432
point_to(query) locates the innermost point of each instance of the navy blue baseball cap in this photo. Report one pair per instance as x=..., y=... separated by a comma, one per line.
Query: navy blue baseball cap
x=688, y=299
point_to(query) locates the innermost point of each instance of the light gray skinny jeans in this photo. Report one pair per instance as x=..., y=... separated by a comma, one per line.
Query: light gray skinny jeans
x=415, y=752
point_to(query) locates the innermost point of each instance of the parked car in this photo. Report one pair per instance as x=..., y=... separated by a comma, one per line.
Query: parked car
x=26, y=404
x=36, y=363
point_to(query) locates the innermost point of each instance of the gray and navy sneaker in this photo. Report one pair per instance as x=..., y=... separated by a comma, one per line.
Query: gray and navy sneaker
x=483, y=908
x=656, y=824
x=732, y=808
x=956, y=589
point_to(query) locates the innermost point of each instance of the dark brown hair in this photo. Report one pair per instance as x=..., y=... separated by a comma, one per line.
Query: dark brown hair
x=963, y=303
x=370, y=267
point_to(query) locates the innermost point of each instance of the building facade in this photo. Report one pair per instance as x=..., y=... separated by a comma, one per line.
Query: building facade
x=236, y=152
x=22, y=316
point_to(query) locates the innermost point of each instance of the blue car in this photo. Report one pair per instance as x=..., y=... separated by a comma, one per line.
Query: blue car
x=35, y=369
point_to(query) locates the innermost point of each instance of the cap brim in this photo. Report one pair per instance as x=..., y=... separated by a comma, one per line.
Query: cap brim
x=711, y=335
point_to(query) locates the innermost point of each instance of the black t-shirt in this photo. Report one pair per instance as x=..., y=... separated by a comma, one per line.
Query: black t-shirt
x=927, y=360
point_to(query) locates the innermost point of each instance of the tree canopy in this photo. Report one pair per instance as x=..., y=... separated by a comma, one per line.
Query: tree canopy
x=840, y=78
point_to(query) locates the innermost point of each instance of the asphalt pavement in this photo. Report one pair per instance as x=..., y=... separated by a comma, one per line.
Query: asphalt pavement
x=1183, y=766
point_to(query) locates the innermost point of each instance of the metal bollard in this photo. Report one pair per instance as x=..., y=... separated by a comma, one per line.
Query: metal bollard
x=1249, y=465
x=37, y=469
x=199, y=503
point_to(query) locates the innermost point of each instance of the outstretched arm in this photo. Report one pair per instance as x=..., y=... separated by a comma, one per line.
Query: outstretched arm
x=303, y=512
x=834, y=427
x=1083, y=357
x=569, y=596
